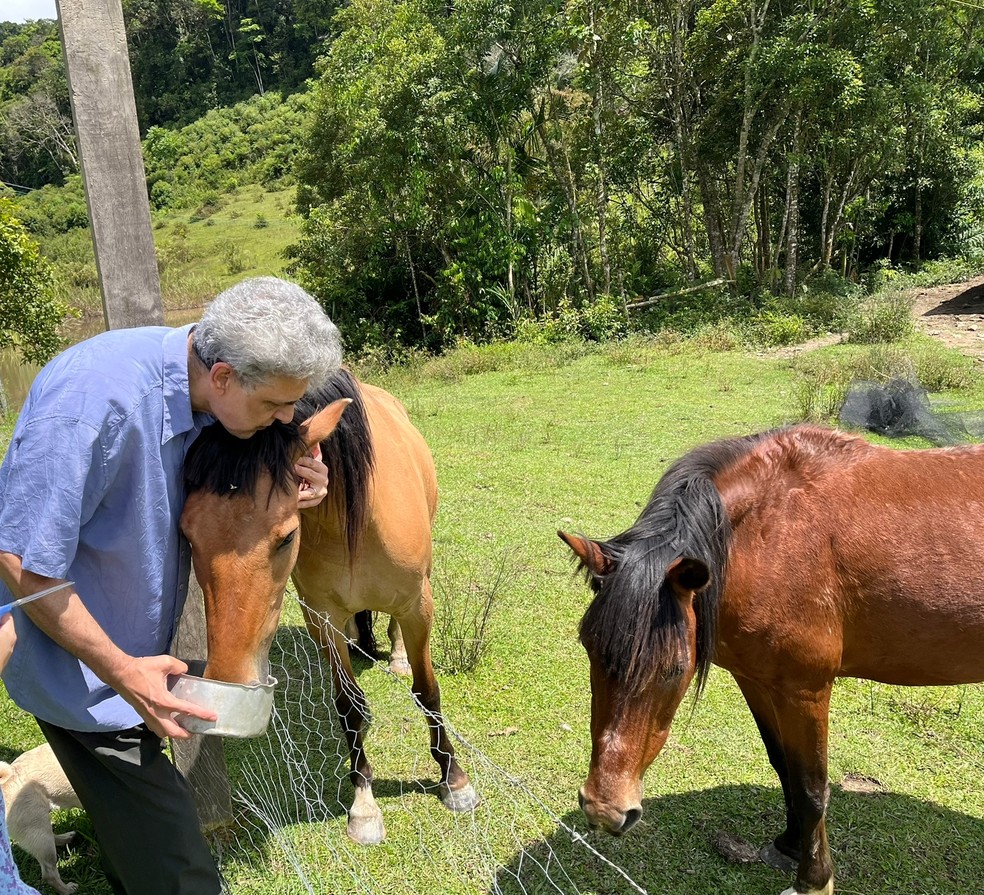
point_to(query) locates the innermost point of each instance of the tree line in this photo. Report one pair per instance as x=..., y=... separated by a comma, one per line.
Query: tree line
x=187, y=57
x=463, y=167
x=477, y=162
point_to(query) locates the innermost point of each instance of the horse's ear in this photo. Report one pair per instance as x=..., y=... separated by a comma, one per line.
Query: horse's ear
x=592, y=557
x=688, y=576
x=317, y=428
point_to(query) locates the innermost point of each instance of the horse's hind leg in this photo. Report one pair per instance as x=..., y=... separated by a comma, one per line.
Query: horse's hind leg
x=783, y=853
x=398, y=664
x=456, y=790
x=365, y=820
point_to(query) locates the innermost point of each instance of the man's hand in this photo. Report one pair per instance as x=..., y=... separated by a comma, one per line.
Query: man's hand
x=314, y=479
x=142, y=682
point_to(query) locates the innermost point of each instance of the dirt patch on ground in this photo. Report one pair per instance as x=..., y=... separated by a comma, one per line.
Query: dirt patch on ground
x=954, y=314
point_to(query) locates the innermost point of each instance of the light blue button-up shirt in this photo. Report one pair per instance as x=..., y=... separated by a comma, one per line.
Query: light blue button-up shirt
x=91, y=489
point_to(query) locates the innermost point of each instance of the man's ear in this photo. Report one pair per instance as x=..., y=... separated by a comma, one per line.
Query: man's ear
x=221, y=376
x=591, y=554
x=317, y=428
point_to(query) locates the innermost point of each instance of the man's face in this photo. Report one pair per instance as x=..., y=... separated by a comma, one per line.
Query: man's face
x=244, y=411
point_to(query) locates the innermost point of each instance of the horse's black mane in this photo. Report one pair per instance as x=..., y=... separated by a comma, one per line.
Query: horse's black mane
x=222, y=464
x=347, y=453
x=634, y=625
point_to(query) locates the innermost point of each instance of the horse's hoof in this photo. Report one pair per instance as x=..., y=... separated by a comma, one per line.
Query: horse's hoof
x=400, y=667
x=777, y=860
x=826, y=890
x=458, y=800
x=366, y=830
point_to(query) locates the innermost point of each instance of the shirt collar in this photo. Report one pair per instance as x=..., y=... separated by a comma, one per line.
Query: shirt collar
x=178, y=416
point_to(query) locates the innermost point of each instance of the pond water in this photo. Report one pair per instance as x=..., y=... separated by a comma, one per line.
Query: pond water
x=17, y=377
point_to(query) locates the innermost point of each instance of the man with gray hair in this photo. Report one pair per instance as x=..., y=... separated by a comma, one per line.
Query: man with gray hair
x=92, y=489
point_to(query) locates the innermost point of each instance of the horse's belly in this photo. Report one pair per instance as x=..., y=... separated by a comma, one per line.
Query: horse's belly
x=923, y=642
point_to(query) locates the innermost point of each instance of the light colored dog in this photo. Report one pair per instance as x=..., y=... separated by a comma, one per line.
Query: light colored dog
x=33, y=785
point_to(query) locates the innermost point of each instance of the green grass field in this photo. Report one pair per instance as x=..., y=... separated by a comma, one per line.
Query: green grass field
x=527, y=441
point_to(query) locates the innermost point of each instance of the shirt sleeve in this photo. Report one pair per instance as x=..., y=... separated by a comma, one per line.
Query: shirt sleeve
x=55, y=475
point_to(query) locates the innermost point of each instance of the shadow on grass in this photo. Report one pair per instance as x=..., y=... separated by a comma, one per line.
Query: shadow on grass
x=881, y=843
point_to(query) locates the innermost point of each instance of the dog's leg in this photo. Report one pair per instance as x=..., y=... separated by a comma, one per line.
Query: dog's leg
x=29, y=825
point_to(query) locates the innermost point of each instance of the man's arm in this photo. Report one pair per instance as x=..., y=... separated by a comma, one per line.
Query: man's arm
x=141, y=681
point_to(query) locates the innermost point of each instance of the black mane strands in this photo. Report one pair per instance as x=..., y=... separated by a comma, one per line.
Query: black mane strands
x=223, y=464
x=635, y=626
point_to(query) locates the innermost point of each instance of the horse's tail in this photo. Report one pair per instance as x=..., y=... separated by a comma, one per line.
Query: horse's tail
x=348, y=453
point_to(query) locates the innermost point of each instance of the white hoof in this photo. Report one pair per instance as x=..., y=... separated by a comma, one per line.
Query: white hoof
x=400, y=666
x=365, y=820
x=459, y=800
x=367, y=830
x=826, y=890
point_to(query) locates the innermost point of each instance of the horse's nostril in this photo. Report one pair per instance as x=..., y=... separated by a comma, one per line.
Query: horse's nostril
x=631, y=819
x=580, y=798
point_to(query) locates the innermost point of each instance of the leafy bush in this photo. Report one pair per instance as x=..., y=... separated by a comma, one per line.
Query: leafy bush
x=54, y=209
x=29, y=313
x=881, y=318
x=775, y=328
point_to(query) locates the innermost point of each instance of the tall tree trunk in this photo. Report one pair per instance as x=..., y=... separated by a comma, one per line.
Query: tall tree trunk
x=720, y=259
x=597, y=108
x=791, y=228
x=679, y=77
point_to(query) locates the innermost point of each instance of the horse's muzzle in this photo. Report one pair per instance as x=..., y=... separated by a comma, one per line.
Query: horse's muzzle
x=604, y=816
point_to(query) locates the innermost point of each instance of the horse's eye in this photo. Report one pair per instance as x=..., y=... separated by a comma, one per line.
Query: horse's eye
x=288, y=540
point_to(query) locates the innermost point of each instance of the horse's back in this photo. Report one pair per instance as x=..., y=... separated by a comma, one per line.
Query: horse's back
x=863, y=561
x=393, y=557
x=405, y=481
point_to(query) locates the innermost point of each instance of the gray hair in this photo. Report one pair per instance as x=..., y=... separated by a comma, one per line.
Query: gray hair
x=265, y=327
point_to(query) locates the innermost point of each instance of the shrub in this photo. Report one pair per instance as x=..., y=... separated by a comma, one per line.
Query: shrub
x=885, y=317
x=777, y=328
x=29, y=312
x=161, y=195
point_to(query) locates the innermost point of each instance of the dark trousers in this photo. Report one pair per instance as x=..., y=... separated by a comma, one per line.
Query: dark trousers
x=141, y=808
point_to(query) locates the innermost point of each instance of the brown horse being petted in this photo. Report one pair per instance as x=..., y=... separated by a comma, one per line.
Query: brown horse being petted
x=790, y=558
x=367, y=546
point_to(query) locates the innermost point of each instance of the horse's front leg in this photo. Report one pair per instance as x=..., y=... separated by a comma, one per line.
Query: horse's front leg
x=783, y=853
x=456, y=790
x=365, y=820
x=803, y=719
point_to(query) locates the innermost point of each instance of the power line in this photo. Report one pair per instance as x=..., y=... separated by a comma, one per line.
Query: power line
x=17, y=186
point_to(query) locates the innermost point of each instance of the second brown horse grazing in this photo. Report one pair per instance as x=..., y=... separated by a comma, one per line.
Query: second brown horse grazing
x=790, y=558
x=367, y=546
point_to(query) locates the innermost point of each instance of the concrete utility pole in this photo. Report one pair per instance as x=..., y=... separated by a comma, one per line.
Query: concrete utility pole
x=105, y=115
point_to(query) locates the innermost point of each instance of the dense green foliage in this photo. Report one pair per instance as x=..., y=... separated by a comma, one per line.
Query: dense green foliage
x=466, y=170
x=37, y=144
x=190, y=56
x=187, y=57
x=254, y=141
x=29, y=315
x=541, y=170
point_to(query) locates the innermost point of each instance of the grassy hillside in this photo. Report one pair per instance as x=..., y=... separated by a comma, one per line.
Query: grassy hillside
x=200, y=250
